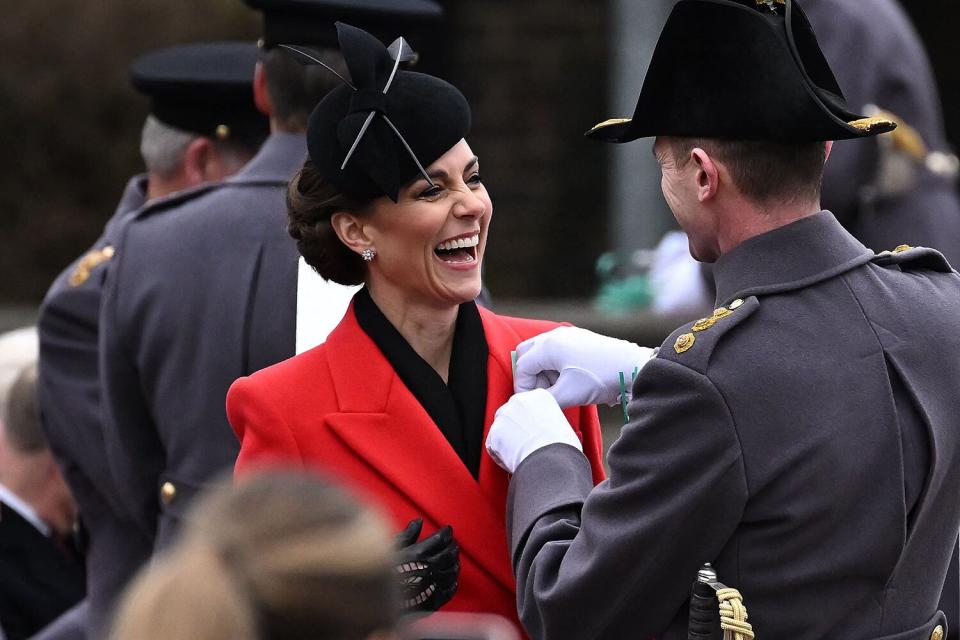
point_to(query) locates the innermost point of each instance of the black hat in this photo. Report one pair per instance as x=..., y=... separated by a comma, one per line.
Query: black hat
x=311, y=21
x=740, y=69
x=203, y=88
x=373, y=136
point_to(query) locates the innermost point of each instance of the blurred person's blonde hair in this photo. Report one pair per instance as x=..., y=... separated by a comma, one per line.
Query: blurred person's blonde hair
x=282, y=556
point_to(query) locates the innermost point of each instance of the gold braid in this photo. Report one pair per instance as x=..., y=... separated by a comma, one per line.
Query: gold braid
x=733, y=616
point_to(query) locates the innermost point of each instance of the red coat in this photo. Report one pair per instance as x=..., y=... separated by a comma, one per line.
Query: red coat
x=341, y=408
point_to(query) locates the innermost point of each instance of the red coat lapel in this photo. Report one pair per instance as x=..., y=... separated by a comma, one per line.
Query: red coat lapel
x=501, y=340
x=382, y=422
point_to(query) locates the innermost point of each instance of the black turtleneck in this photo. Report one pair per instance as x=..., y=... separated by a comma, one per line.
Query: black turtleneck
x=456, y=407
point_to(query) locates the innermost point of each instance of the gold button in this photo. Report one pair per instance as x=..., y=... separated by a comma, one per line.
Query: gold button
x=937, y=633
x=720, y=313
x=223, y=132
x=901, y=249
x=703, y=324
x=684, y=342
x=736, y=304
x=168, y=492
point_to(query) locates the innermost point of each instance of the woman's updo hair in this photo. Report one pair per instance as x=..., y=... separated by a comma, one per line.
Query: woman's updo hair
x=311, y=201
x=282, y=556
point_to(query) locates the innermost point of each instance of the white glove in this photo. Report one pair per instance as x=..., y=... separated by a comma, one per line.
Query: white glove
x=529, y=421
x=577, y=366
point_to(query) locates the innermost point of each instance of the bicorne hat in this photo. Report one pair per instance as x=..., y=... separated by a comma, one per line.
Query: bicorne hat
x=743, y=70
x=385, y=125
x=203, y=88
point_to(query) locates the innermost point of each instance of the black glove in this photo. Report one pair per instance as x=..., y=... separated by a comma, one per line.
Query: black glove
x=429, y=569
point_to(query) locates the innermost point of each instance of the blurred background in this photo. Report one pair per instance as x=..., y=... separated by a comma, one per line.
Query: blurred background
x=537, y=73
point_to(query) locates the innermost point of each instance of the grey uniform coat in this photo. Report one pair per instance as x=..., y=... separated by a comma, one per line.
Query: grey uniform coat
x=196, y=297
x=805, y=440
x=69, y=399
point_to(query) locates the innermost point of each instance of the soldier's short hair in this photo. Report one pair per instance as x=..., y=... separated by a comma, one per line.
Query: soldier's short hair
x=763, y=171
x=21, y=418
x=295, y=89
x=163, y=146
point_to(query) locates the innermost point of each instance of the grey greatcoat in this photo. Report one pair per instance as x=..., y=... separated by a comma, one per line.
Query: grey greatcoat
x=805, y=440
x=196, y=297
x=69, y=400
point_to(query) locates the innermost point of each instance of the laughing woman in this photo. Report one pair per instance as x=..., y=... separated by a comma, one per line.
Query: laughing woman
x=399, y=398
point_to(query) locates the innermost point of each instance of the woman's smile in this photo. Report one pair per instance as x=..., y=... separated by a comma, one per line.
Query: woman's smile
x=459, y=252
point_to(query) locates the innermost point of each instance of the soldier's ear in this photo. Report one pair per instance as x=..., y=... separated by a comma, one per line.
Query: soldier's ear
x=707, y=174
x=197, y=161
x=829, y=148
x=261, y=94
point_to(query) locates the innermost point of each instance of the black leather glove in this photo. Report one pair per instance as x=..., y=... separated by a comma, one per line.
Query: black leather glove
x=429, y=569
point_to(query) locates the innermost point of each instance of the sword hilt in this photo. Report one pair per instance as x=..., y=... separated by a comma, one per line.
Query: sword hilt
x=717, y=612
x=704, y=617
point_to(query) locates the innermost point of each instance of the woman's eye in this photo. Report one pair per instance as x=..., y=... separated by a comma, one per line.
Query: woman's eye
x=474, y=179
x=430, y=192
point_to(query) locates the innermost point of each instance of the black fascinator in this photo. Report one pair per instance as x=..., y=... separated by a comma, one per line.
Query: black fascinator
x=385, y=125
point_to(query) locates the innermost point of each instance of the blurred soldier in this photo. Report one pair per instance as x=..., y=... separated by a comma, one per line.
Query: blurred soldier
x=202, y=127
x=204, y=293
x=900, y=188
x=804, y=438
x=41, y=575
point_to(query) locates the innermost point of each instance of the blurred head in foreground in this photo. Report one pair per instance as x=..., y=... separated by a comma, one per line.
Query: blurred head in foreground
x=281, y=556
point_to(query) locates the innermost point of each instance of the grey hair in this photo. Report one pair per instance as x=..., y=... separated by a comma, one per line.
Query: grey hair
x=163, y=147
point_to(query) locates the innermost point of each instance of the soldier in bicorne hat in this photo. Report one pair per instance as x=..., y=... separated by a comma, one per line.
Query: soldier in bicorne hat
x=803, y=438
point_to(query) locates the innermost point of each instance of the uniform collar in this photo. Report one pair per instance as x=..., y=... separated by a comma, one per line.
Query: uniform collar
x=133, y=199
x=281, y=155
x=791, y=257
x=25, y=511
x=134, y=195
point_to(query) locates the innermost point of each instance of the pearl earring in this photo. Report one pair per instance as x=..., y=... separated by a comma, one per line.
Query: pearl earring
x=368, y=254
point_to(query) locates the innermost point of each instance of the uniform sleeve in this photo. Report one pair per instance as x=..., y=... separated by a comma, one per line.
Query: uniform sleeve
x=618, y=561
x=265, y=437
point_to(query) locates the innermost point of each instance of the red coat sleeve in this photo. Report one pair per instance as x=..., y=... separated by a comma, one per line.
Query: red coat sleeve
x=586, y=424
x=592, y=439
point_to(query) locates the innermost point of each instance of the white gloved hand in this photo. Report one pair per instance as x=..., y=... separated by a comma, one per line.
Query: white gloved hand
x=577, y=366
x=529, y=421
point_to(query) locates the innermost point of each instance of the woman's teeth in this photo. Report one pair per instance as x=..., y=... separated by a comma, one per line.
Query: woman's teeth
x=458, y=251
x=462, y=243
